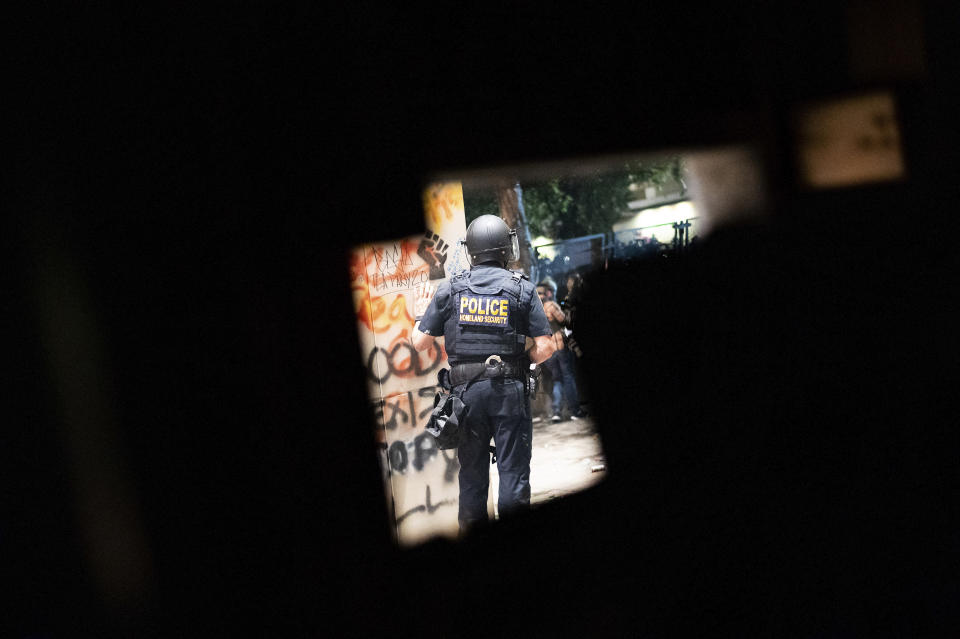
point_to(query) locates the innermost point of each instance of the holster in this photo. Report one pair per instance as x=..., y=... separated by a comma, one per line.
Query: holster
x=446, y=422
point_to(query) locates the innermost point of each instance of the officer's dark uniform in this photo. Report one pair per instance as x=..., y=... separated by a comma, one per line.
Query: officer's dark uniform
x=487, y=311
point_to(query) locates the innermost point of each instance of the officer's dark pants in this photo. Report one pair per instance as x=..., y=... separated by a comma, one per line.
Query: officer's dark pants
x=498, y=408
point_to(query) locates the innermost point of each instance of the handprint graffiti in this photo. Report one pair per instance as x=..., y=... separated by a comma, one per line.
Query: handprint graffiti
x=433, y=251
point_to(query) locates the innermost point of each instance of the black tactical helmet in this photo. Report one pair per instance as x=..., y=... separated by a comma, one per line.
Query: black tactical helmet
x=489, y=238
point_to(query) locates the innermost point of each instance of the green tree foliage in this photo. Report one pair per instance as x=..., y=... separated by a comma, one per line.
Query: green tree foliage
x=569, y=206
x=479, y=201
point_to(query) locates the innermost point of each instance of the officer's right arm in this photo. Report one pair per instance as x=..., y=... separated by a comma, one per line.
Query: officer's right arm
x=543, y=348
x=540, y=342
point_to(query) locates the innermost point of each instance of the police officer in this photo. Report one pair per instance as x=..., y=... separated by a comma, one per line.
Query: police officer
x=493, y=326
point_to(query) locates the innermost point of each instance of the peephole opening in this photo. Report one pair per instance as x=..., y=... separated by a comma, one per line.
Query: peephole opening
x=468, y=327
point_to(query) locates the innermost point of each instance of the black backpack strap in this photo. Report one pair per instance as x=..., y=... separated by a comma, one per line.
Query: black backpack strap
x=458, y=285
x=514, y=288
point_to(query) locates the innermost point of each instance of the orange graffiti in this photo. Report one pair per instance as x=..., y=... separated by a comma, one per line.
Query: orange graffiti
x=404, y=367
x=443, y=202
x=398, y=265
x=385, y=317
x=402, y=364
x=373, y=268
x=377, y=315
x=358, y=265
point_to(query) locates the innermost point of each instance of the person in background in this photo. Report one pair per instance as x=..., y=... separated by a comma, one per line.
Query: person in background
x=560, y=363
x=569, y=305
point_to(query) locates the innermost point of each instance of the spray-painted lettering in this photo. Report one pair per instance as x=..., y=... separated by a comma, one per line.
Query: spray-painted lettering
x=402, y=360
x=427, y=507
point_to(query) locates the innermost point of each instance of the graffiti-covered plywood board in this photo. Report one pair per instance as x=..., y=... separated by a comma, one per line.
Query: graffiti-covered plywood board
x=420, y=481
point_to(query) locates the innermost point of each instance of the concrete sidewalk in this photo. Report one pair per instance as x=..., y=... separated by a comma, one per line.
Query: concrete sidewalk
x=564, y=457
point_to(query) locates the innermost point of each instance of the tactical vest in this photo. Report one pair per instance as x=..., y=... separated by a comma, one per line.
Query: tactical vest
x=486, y=319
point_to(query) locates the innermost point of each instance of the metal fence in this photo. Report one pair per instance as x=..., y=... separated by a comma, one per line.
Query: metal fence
x=581, y=254
x=576, y=254
x=671, y=238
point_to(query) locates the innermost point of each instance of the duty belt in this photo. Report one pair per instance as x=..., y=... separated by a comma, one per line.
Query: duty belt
x=493, y=367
